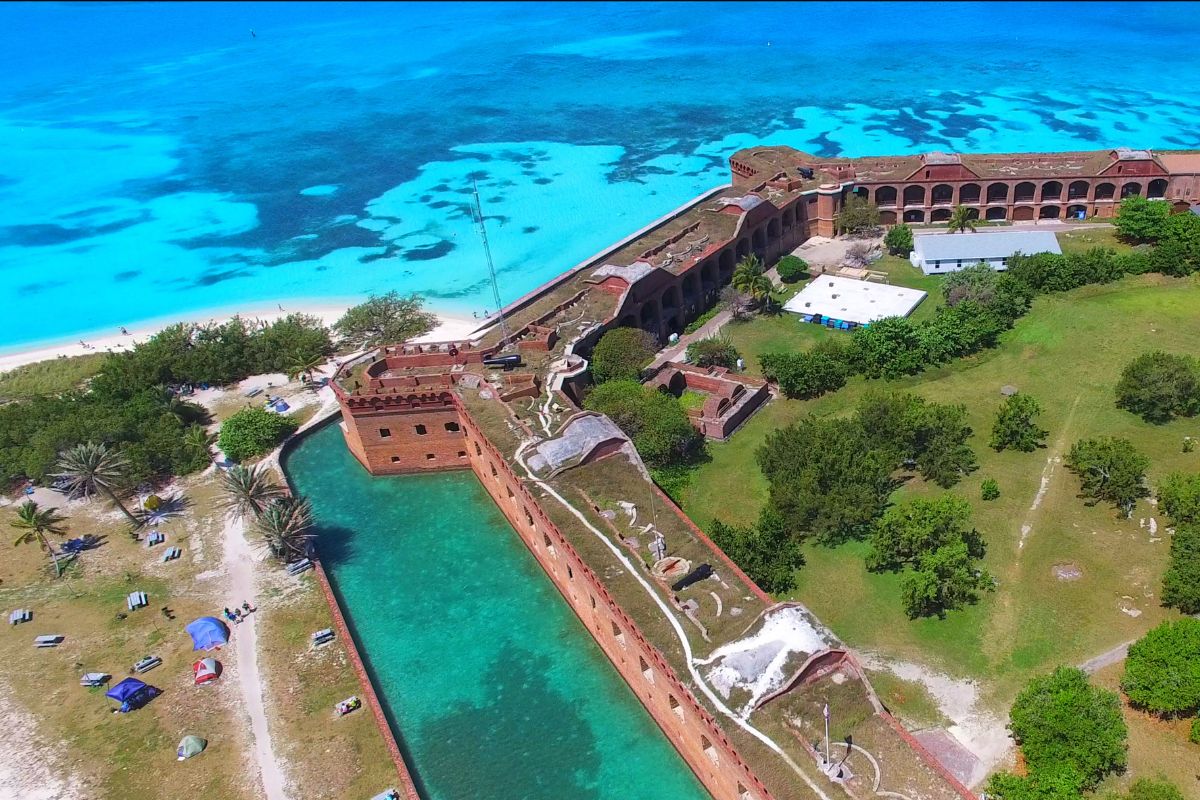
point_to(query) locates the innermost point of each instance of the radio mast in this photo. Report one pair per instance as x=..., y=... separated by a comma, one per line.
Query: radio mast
x=481, y=229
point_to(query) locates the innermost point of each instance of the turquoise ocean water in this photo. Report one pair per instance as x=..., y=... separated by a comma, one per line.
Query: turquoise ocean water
x=496, y=688
x=159, y=159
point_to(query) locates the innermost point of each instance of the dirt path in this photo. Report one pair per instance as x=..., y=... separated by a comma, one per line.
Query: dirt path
x=239, y=562
x=1052, y=460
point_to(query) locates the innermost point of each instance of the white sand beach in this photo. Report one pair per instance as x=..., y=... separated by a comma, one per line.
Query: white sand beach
x=449, y=327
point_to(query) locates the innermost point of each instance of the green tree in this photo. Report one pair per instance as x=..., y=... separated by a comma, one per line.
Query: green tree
x=279, y=343
x=766, y=552
x=253, y=432
x=899, y=240
x=385, y=319
x=1110, y=470
x=248, y=490
x=33, y=523
x=976, y=282
x=286, y=528
x=303, y=364
x=1014, y=426
x=750, y=280
x=199, y=441
x=1177, y=252
x=940, y=445
x=1194, y=734
x=91, y=468
x=961, y=219
x=716, y=351
x=655, y=421
x=807, y=374
x=1162, y=670
x=1061, y=721
x=791, y=268
x=1158, y=386
x=1181, y=580
x=622, y=354
x=857, y=215
x=1142, y=220
x=1055, y=782
x=887, y=348
x=1179, y=497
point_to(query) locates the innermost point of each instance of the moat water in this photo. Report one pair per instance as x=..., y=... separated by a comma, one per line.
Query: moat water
x=159, y=159
x=492, y=685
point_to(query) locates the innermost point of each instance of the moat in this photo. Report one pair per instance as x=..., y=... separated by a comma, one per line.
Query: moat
x=490, y=683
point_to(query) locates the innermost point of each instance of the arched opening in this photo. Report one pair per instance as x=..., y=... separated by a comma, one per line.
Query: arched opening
x=943, y=193
x=629, y=321
x=1078, y=190
x=914, y=215
x=1077, y=212
x=968, y=193
x=862, y=192
x=995, y=214
x=726, y=263
x=789, y=218
x=940, y=215
x=760, y=241
x=743, y=248
x=972, y=213
x=1181, y=207
x=1130, y=189
x=997, y=193
x=914, y=195
x=773, y=229
x=691, y=288
x=1022, y=213
x=885, y=196
x=650, y=315
x=1024, y=192
x=1157, y=189
x=1049, y=212
x=1051, y=190
x=1105, y=191
x=887, y=217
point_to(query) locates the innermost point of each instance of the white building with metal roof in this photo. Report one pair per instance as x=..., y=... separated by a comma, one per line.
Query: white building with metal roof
x=935, y=254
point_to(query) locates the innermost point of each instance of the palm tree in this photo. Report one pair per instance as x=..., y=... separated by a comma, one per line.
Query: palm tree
x=286, y=528
x=90, y=468
x=749, y=280
x=248, y=490
x=960, y=220
x=198, y=440
x=34, y=523
x=302, y=364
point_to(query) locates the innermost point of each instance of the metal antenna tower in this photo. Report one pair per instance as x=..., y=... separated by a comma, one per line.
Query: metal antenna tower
x=505, y=335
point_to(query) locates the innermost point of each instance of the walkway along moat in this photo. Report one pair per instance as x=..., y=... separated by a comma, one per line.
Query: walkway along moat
x=492, y=686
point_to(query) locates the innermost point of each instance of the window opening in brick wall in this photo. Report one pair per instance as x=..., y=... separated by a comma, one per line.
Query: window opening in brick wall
x=570, y=574
x=452, y=427
x=744, y=793
x=678, y=709
x=620, y=637
x=385, y=433
x=462, y=453
x=647, y=673
x=478, y=449
x=395, y=459
x=420, y=429
x=492, y=467
x=430, y=456
x=709, y=750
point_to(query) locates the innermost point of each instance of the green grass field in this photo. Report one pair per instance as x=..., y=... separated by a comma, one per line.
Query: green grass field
x=1068, y=353
x=49, y=377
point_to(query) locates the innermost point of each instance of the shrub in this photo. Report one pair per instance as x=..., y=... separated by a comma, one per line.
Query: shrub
x=766, y=552
x=622, y=354
x=252, y=432
x=1060, y=782
x=1109, y=469
x=1014, y=427
x=899, y=240
x=1060, y=720
x=1194, y=736
x=805, y=375
x=714, y=352
x=699, y=321
x=1150, y=789
x=791, y=268
x=1162, y=670
x=989, y=489
x=1158, y=386
x=1142, y=220
x=887, y=348
x=1179, y=497
x=654, y=420
x=1181, y=580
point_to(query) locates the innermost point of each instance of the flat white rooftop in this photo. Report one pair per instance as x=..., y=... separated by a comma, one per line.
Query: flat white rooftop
x=854, y=301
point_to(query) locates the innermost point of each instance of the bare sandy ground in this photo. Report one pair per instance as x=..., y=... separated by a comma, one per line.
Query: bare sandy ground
x=449, y=327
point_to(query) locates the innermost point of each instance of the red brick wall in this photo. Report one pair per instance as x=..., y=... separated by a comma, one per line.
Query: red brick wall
x=404, y=449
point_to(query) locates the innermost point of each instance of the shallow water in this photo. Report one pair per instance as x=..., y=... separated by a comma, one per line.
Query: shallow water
x=157, y=159
x=492, y=685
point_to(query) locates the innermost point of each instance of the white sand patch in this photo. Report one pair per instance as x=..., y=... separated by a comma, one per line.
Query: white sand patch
x=31, y=767
x=759, y=662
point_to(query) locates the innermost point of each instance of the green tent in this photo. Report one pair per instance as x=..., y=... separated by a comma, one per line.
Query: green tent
x=190, y=746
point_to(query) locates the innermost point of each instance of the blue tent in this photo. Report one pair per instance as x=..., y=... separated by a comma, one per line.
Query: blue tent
x=132, y=693
x=207, y=633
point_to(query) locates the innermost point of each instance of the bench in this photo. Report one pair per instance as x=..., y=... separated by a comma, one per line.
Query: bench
x=20, y=615
x=296, y=567
x=136, y=600
x=171, y=554
x=255, y=392
x=155, y=538
x=49, y=640
x=91, y=679
x=323, y=636
x=146, y=664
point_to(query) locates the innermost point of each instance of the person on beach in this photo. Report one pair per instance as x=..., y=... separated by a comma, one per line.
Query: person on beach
x=124, y=331
x=228, y=614
x=246, y=607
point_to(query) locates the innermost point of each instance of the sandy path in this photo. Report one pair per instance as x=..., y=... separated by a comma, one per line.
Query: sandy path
x=238, y=562
x=31, y=768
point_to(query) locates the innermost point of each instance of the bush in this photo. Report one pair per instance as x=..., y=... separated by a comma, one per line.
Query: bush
x=899, y=240
x=1181, y=580
x=700, y=321
x=622, y=354
x=1194, y=736
x=791, y=269
x=887, y=348
x=1162, y=670
x=1061, y=721
x=1158, y=386
x=1142, y=220
x=1014, y=427
x=810, y=374
x=989, y=489
x=715, y=352
x=253, y=432
x=766, y=552
x=1109, y=469
x=1062, y=782
x=654, y=420
x=1149, y=789
x=1179, y=497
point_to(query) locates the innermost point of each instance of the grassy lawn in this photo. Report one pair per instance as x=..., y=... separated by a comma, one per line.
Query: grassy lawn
x=1067, y=353
x=49, y=377
x=1077, y=241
